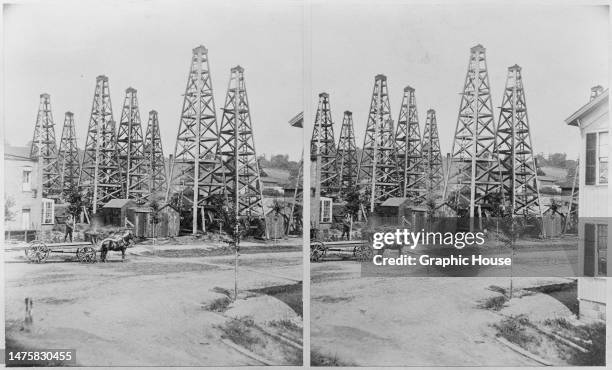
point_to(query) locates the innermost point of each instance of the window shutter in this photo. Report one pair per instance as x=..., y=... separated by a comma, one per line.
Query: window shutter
x=589, y=250
x=591, y=159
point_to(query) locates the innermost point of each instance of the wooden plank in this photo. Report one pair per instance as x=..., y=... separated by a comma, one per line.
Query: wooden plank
x=344, y=242
x=67, y=245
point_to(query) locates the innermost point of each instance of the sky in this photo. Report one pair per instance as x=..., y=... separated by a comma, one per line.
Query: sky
x=60, y=47
x=562, y=49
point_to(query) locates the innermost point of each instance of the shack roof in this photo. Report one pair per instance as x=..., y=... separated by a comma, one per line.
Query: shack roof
x=118, y=203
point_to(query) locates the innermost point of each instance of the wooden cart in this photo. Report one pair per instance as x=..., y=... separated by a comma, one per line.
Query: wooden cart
x=359, y=249
x=38, y=251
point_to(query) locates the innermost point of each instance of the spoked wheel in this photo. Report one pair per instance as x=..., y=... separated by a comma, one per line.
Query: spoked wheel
x=37, y=252
x=317, y=251
x=86, y=254
x=364, y=252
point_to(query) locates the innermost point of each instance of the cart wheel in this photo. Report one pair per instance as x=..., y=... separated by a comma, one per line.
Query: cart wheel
x=31, y=249
x=364, y=252
x=317, y=251
x=89, y=254
x=38, y=252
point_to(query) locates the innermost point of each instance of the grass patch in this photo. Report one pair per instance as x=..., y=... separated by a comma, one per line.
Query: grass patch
x=497, y=289
x=494, y=303
x=514, y=330
x=596, y=355
x=286, y=325
x=330, y=299
x=240, y=331
x=559, y=322
x=219, y=304
x=319, y=359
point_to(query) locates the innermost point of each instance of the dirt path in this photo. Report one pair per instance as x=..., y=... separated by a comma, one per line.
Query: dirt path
x=416, y=321
x=146, y=311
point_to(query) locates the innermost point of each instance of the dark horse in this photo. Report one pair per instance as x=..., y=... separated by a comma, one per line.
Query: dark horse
x=120, y=243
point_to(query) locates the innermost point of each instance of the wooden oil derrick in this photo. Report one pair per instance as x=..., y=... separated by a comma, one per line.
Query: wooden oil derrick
x=409, y=148
x=68, y=155
x=100, y=176
x=237, y=150
x=432, y=156
x=195, y=165
x=130, y=150
x=44, y=148
x=377, y=173
x=517, y=171
x=346, y=157
x=155, y=163
x=323, y=148
x=472, y=155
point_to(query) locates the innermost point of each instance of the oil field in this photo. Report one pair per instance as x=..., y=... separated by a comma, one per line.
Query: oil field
x=393, y=174
x=134, y=247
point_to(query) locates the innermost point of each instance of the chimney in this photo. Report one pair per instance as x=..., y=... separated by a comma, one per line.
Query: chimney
x=596, y=91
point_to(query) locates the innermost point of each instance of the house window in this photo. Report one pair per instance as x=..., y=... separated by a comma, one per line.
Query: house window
x=26, y=179
x=326, y=211
x=597, y=144
x=595, y=249
x=602, y=157
x=602, y=250
x=48, y=211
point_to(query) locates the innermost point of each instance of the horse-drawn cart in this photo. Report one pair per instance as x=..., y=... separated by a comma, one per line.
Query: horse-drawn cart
x=38, y=251
x=359, y=249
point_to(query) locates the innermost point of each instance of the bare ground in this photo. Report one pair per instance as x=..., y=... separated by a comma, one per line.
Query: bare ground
x=413, y=321
x=149, y=310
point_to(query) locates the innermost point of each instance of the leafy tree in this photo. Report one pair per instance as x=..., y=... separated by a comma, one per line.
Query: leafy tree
x=76, y=201
x=9, y=203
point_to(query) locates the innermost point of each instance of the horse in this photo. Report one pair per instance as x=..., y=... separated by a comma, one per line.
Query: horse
x=117, y=244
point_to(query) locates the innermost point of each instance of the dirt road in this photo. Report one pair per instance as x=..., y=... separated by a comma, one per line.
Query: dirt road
x=149, y=310
x=399, y=321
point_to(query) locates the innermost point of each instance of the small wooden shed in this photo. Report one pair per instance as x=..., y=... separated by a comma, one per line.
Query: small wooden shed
x=403, y=211
x=142, y=218
x=275, y=225
x=116, y=211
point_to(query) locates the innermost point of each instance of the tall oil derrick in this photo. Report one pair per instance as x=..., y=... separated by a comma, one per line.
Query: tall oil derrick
x=100, y=175
x=237, y=149
x=432, y=156
x=130, y=149
x=323, y=147
x=377, y=172
x=472, y=155
x=346, y=157
x=517, y=168
x=194, y=170
x=155, y=163
x=409, y=148
x=68, y=154
x=44, y=148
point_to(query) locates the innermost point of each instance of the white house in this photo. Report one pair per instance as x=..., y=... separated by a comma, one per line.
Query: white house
x=594, y=203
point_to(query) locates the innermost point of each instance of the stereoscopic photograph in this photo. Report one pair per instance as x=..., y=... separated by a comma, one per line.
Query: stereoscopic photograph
x=152, y=183
x=459, y=168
